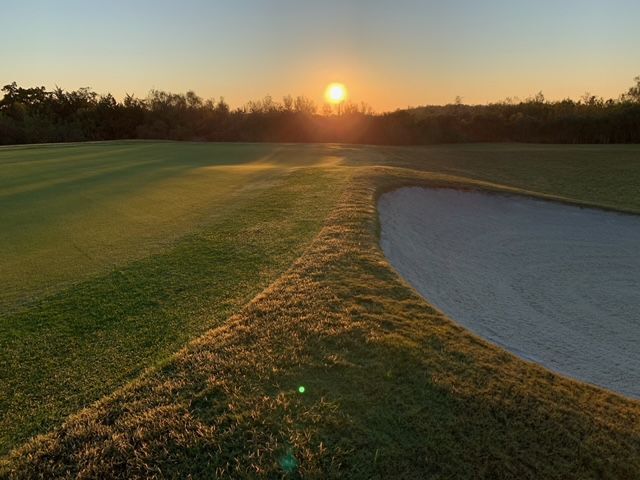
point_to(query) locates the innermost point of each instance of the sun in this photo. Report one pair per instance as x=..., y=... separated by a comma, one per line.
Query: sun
x=335, y=93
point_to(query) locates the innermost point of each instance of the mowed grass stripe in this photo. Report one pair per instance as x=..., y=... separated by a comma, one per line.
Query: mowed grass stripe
x=100, y=207
x=69, y=349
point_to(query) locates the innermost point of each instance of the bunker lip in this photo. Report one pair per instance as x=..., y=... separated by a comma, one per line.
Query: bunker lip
x=532, y=276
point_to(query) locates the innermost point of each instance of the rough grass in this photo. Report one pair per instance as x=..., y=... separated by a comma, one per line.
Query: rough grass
x=392, y=388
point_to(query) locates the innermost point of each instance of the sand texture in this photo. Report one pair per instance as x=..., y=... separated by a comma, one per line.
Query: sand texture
x=555, y=284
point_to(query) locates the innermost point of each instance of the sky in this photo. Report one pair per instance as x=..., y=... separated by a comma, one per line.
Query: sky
x=390, y=54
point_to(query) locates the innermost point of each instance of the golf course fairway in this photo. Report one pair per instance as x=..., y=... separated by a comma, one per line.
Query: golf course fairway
x=225, y=310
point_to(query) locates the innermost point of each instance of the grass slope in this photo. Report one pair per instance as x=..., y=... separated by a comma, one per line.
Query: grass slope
x=393, y=388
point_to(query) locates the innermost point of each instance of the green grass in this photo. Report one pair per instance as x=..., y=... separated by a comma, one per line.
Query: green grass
x=63, y=350
x=72, y=212
x=606, y=176
x=392, y=388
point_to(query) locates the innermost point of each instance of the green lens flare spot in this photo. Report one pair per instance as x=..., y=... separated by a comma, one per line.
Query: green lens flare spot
x=288, y=463
x=301, y=389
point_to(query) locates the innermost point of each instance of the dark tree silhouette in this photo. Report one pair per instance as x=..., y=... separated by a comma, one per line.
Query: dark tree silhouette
x=35, y=115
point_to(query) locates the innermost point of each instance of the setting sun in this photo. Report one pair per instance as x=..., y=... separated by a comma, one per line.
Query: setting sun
x=335, y=93
x=429, y=202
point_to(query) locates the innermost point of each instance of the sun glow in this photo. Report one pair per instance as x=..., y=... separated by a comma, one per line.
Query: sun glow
x=335, y=93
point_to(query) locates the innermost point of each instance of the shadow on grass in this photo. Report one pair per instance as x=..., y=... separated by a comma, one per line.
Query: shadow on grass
x=392, y=389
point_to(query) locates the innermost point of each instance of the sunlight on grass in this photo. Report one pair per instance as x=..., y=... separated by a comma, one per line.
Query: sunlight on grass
x=398, y=389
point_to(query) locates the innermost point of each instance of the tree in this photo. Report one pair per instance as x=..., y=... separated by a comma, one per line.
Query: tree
x=287, y=103
x=305, y=105
x=31, y=115
x=633, y=95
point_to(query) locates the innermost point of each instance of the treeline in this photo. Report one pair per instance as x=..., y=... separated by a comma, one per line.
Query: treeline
x=36, y=115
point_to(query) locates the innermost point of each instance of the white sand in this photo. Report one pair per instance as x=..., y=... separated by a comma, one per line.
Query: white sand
x=554, y=284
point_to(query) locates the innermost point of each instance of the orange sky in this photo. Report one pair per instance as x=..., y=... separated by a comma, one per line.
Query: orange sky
x=391, y=54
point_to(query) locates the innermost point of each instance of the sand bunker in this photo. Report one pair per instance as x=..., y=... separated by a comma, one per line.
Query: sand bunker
x=554, y=284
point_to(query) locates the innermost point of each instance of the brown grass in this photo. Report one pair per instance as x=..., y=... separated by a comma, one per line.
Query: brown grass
x=393, y=388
